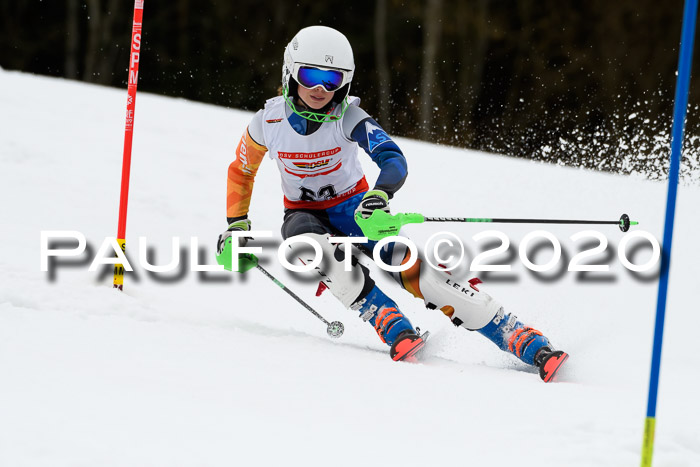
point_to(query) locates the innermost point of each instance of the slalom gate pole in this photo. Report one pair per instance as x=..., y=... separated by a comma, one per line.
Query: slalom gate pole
x=685, y=57
x=128, y=135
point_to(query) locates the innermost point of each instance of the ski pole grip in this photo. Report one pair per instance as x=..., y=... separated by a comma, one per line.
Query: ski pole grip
x=382, y=224
x=246, y=261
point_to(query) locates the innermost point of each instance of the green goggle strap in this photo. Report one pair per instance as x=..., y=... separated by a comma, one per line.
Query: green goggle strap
x=314, y=116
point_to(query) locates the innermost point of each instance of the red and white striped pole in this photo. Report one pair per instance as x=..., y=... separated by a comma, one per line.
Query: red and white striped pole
x=128, y=135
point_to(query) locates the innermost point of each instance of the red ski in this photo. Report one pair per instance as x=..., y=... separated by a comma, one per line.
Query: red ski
x=407, y=345
x=551, y=364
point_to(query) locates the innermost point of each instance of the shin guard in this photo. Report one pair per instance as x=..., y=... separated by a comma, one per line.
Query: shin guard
x=462, y=301
x=346, y=286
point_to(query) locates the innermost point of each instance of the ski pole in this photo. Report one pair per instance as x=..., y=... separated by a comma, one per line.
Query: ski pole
x=248, y=261
x=382, y=224
x=334, y=329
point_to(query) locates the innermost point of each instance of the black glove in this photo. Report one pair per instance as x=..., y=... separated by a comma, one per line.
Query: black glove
x=373, y=200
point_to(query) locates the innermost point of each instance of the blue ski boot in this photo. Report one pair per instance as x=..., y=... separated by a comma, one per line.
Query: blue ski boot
x=391, y=325
x=526, y=343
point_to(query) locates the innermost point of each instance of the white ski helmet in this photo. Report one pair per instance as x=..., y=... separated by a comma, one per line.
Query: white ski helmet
x=318, y=56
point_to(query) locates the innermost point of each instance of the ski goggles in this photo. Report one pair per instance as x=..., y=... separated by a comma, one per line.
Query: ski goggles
x=311, y=77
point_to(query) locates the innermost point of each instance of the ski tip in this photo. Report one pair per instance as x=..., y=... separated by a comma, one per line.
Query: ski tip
x=549, y=369
x=406, y=349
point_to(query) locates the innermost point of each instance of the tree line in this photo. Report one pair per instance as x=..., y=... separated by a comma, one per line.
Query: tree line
x=584, y=83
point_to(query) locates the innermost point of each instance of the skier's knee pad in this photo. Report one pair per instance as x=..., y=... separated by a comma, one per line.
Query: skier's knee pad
x=346, y=286
x=460, y=300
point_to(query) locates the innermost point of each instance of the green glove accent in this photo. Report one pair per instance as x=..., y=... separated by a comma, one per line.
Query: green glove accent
x=381, y=224
x=379, y=193
x=246, y=261
x=243, y=224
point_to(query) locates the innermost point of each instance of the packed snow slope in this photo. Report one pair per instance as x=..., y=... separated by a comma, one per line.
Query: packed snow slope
x=219, y=369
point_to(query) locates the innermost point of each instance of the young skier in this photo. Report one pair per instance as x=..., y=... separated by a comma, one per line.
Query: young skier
x=313, y=131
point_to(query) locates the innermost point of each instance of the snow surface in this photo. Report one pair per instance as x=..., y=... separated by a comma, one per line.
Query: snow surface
x=181, y=370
